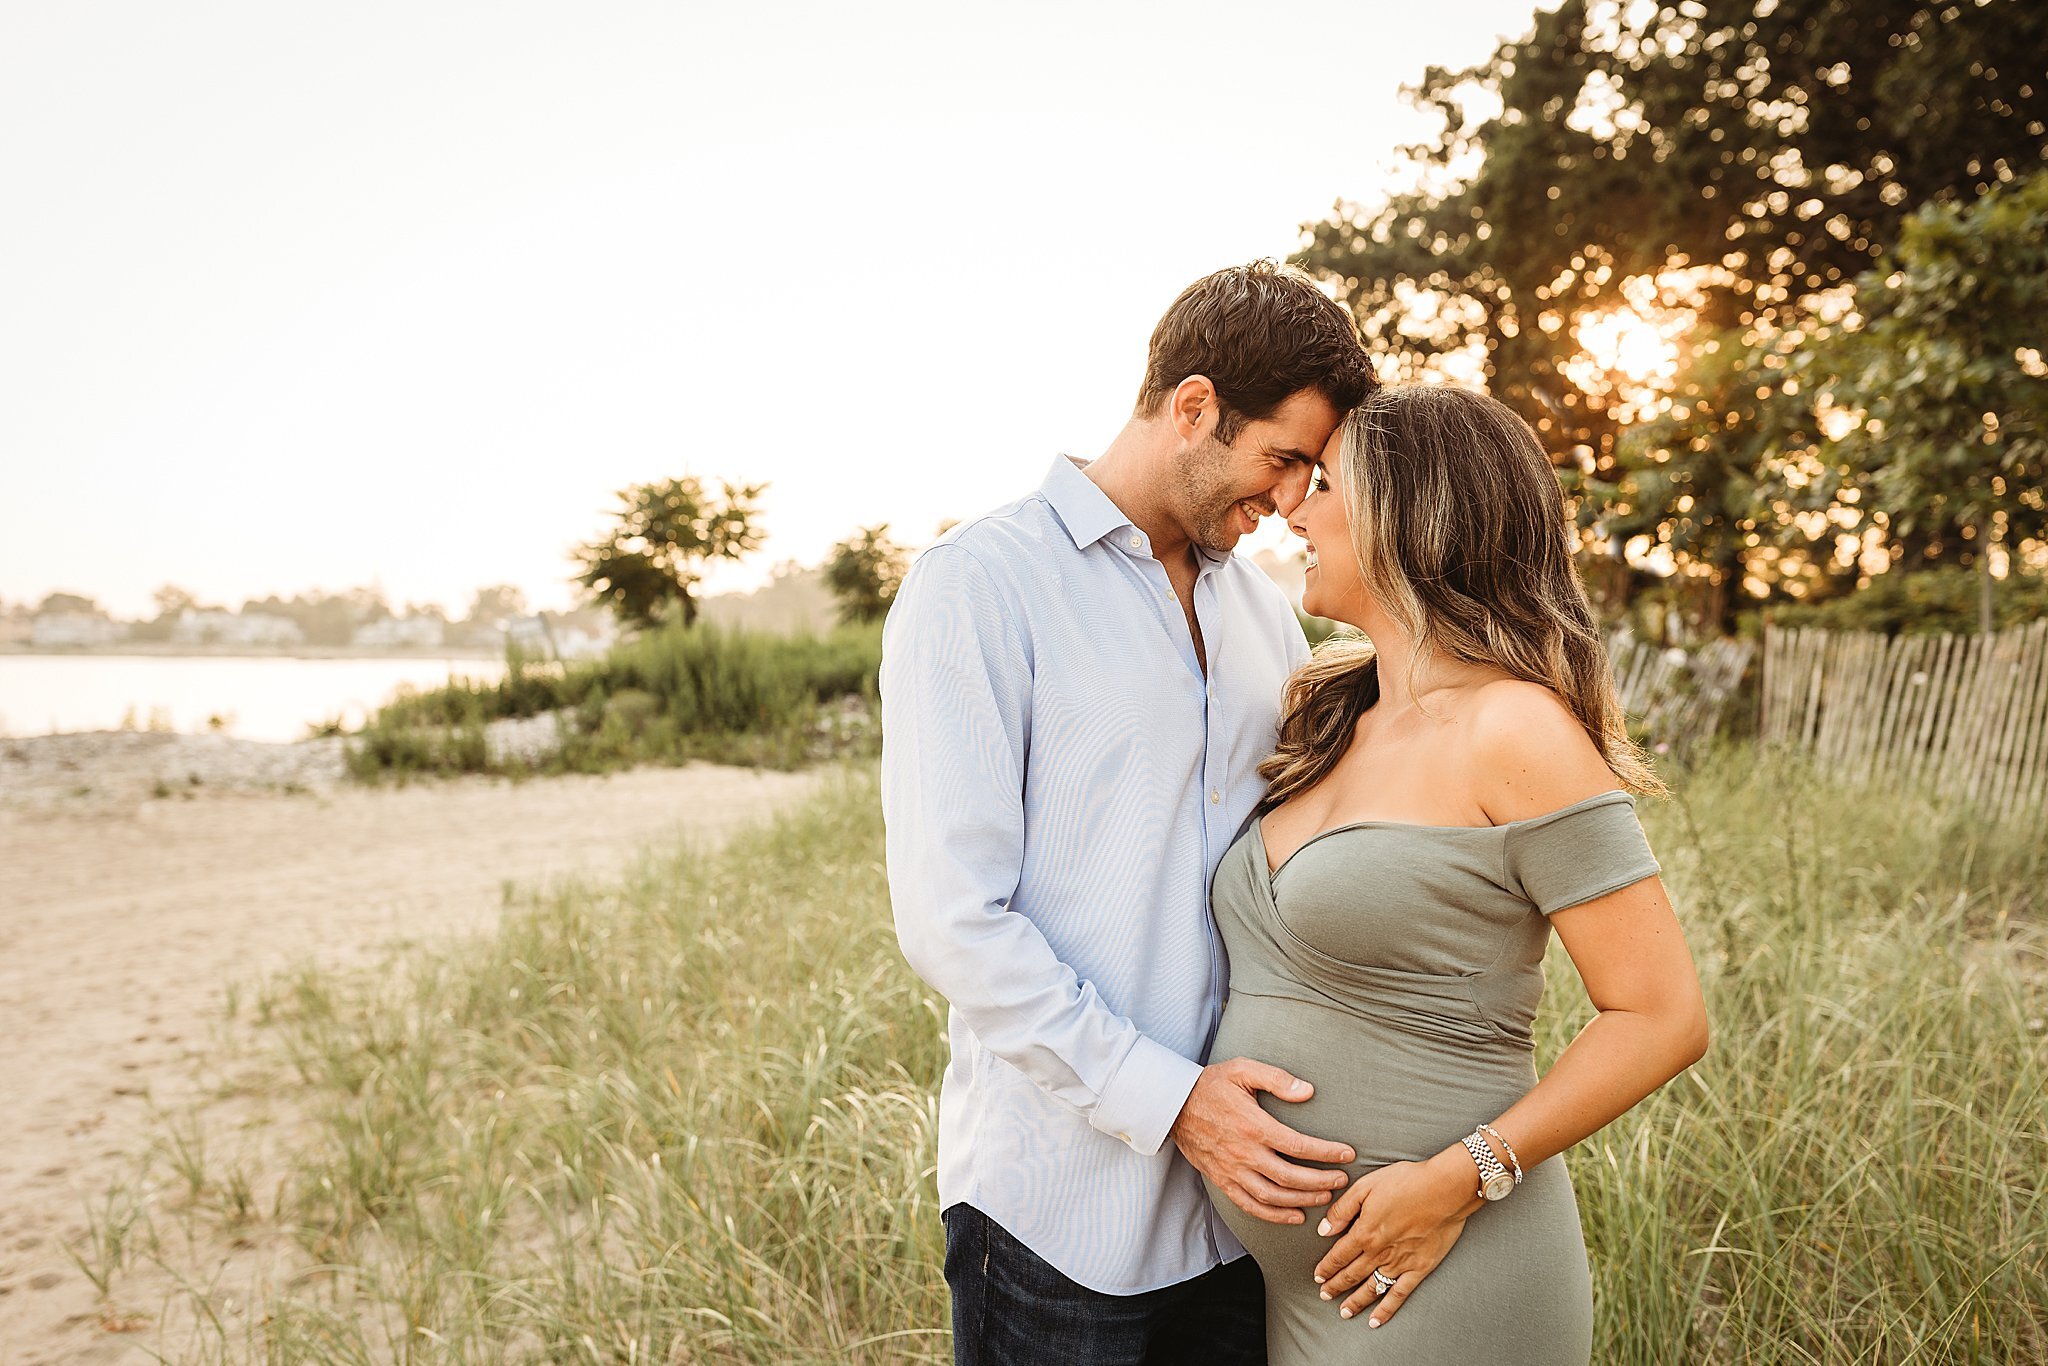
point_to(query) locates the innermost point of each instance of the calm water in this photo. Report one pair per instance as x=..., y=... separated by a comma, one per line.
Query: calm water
x=260, y=698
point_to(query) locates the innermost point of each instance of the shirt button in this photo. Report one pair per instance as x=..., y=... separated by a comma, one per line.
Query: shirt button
x=1215, y=797
x=1137, y=542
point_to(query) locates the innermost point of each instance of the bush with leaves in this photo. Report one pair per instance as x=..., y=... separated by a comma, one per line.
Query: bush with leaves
x=648, y=567
x=864, y=572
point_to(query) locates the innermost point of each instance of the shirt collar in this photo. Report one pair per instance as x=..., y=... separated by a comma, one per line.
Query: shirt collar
x=1088, y=514
x=1079, y=502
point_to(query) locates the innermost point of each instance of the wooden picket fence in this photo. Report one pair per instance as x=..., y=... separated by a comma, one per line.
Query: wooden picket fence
x=1965, y=716
x=1675, y=698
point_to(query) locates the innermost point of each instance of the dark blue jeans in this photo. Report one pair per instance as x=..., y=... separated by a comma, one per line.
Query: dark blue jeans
x=1010, y=1308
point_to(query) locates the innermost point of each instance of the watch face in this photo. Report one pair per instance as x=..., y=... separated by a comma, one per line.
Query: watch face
x=1498, y=1185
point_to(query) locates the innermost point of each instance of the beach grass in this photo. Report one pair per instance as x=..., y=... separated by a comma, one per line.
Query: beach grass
x=689, y=1115
x=665, y=696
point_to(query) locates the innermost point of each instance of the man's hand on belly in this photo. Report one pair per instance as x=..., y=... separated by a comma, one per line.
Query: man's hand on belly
x=1228, y=1138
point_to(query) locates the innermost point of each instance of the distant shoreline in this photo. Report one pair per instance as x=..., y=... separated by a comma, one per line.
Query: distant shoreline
x=148, y=649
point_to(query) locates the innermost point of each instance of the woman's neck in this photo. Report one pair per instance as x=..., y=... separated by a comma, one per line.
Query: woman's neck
x=1408, y=669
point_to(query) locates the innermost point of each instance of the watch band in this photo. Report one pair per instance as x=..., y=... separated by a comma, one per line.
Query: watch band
x=1489, y=1166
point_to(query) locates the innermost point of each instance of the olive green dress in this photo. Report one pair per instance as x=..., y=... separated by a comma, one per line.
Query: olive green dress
x=1398, y=968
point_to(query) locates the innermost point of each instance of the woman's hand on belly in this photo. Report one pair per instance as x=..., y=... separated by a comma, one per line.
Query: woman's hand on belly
x=1401, y=1220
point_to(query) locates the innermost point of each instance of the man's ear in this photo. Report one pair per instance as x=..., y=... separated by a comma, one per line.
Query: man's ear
x=1194, y=408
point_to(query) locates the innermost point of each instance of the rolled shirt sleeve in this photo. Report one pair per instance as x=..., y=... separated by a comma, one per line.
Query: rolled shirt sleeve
x=956, y=724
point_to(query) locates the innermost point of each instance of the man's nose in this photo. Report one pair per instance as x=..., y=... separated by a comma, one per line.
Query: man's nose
x=1292, y=490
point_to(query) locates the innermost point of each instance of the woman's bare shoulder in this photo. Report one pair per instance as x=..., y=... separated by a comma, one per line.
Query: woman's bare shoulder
x=1525, y=754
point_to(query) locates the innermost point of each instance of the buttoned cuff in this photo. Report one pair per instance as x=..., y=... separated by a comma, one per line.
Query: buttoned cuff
x=1144, y=1098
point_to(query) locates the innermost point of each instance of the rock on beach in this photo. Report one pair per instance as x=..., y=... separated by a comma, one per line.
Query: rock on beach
x=121, y=766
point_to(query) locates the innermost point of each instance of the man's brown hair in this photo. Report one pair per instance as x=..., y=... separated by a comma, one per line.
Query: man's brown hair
x=1259, y=333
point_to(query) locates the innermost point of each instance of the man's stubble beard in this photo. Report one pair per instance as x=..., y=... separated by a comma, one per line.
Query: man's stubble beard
x=1206, y=497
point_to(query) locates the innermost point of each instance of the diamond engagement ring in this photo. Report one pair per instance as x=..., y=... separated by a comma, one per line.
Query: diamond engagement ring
x=1382, y=1282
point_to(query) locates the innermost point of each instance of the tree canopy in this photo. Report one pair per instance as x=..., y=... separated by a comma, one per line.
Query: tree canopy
x=1942, y=387
x=493, y=603
x=650, y=563
x=1641, y=211
x=70, y=602
x=864, y=572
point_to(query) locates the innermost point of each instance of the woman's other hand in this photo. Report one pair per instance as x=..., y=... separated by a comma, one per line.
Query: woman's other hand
x=1401, y=1220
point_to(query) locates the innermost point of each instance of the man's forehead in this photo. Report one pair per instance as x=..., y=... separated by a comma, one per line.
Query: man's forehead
x=1300, y=427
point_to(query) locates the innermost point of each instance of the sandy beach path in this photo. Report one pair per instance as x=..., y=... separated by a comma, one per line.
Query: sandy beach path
x=122, y=926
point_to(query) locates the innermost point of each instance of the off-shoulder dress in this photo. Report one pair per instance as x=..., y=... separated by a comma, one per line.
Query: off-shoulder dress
x=1398, y=967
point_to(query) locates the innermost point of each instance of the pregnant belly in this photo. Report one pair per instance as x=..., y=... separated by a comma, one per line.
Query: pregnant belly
x=1394, y=1096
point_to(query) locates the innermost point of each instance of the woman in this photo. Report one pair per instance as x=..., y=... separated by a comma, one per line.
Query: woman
x=1441, y=800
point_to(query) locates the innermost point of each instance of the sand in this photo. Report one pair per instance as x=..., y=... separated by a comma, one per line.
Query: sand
x=128, y=919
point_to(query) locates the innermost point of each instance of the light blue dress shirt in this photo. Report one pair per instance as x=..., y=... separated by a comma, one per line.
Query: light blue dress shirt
x=1059, y=781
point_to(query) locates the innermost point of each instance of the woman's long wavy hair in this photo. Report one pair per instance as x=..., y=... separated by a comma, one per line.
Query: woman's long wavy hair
x=1460, y=531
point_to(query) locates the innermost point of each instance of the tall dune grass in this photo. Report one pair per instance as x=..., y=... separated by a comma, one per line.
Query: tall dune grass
x=689, y=1117
x=664, y=696
x=1857, y=1171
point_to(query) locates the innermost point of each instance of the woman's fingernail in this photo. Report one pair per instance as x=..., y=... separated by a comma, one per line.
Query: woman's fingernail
x=1323, y=1294
x=1345, y=1312
x=1320, y=1278
x=1324, y=1228
x=1372, y=1323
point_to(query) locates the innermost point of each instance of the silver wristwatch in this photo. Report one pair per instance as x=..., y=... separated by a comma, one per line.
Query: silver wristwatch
x=1495, y=1180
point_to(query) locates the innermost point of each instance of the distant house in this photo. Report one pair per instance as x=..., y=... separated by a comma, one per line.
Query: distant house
x=212, y=626
x=575, y=642
x=410, y=633
x=67, y=629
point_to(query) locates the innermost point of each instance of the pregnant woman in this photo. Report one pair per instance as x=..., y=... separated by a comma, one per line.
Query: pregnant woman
x=1442, y=799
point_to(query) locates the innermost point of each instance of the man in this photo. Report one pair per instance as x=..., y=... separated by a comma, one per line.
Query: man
x=1076, y=692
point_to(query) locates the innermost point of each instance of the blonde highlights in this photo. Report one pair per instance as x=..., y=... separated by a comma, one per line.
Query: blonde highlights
x=1458, y=525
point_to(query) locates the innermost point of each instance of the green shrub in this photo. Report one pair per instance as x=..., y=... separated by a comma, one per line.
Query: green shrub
x=1923, y=602
x=665, y=696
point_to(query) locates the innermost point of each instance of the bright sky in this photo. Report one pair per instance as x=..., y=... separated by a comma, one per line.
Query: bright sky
x=298, y=295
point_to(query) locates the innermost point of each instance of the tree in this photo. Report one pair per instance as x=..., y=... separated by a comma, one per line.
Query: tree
x=864, y=572
x=648, y=566
x=171, y=601
x=1944, y=383
x=326, y=618
x=366, y=604
x=69, y=602
x=1686, y=483
x=493, y=604
x=1655, y=170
